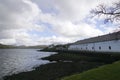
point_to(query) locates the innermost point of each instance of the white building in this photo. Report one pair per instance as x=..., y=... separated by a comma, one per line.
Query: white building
x=105, y=43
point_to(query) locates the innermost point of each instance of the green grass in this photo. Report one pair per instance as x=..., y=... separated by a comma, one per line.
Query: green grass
x=107, y=72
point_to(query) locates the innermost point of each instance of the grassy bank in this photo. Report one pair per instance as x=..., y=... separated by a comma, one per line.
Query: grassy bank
x=107, y=72
x=65, y=64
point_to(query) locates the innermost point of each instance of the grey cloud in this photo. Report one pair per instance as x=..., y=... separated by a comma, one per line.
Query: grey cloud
x=16, y=6
x=5, y=34
x=20, y=16
x=17, y=16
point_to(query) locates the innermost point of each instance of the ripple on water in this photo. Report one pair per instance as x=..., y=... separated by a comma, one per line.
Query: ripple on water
x=20, y=60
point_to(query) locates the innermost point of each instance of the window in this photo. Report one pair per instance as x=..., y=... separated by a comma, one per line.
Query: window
x=81, y=48
x=100, y=47
x=109, y=47
x=92, y=47
x=86, y=48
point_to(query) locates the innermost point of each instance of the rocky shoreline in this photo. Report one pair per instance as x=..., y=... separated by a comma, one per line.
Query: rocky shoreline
x=63, y=64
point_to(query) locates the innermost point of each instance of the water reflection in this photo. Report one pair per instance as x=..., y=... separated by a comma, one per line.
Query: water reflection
x=19, y=60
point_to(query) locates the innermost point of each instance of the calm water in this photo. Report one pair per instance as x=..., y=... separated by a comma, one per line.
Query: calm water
x=20, y=60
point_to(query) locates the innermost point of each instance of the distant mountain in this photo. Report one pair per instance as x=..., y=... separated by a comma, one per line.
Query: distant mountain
x=2, y=46
x=38, y=46
x=31, y=47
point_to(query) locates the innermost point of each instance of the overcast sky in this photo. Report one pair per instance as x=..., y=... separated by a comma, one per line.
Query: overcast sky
x=39, y=22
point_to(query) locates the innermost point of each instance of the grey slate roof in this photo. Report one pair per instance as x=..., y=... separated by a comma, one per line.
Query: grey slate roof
x=107, y=37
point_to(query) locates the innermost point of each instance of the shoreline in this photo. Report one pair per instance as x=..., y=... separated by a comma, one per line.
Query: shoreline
x=61, y=68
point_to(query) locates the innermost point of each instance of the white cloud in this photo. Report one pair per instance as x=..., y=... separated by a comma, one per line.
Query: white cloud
x=8, y=41
x=66, y=18
x=73, y=11
x=81, y=30
x=53, y=40
x=16, y=18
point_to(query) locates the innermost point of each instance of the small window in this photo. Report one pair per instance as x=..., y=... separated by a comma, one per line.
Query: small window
x=92, y=47
x=86, y=48
x=100, y=47
x=81, y=48
x=109, y=47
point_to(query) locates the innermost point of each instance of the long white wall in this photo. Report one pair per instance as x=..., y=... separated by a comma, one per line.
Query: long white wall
x=107, y=46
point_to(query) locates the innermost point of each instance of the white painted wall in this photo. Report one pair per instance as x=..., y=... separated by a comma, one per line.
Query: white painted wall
x=115, y=46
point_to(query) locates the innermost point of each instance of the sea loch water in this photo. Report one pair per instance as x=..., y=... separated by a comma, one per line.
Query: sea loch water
x=19, y=60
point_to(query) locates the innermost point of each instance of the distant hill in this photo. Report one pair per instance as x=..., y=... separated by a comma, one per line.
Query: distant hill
x=2, y=46
x=33, y=47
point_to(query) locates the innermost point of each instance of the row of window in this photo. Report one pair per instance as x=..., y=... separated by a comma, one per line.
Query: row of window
x=109, y=47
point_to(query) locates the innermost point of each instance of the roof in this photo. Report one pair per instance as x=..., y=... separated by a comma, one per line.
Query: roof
x=107, y=37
